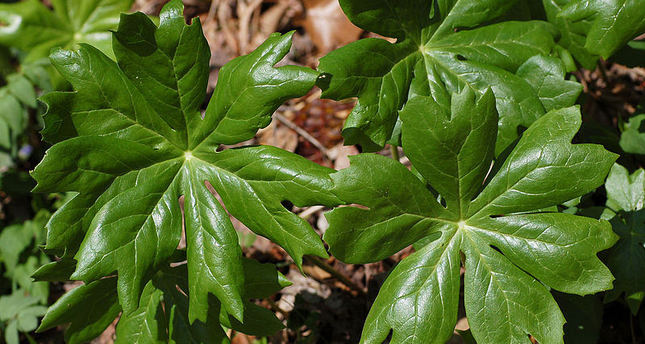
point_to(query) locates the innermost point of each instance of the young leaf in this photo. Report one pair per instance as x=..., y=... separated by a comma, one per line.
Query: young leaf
x=514, y=252
x=447, y=42
x=131, y=141
x=625, y=195
x=632, y=139
x=30, y=26
x=16, y=97
x=624, y=191
x=614, y=22
x=19, y=312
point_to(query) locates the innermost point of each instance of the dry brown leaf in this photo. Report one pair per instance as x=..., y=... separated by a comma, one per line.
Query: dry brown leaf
x=341, y=154
x=279, y=136
x=328, y=26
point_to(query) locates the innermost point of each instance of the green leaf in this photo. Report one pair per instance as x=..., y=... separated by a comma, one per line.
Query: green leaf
x=546, y=76
x=625, y=195
x=15, y=98
x=130, y=140
x=162, y=315
x=147, y=324
x=513, y=251
x=22, y=89
x=13, y=241
x=30, y=26
x=451, y=43
x=260, y=281
x=613, y=22
x=99, y=296
x=573, y=34
x=19, y=312
x=21, y=257
x=624, y=191
x=11, y=306
x=632, y=139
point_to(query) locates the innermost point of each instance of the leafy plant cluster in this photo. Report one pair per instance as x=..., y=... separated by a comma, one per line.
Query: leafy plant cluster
x=477, y=95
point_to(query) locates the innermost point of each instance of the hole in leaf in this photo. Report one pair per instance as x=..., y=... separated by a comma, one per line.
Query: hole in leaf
x=461, y=58
x=287, y=204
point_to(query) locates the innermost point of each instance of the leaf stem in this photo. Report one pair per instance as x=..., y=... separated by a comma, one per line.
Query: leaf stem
x=335, y=273
x=394, y=150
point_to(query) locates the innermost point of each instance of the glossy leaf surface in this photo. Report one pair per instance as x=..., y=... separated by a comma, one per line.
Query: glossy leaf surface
x=573, y=34
x=490, y=221
x=451, y=43
x=130, y=140
x=613, y=22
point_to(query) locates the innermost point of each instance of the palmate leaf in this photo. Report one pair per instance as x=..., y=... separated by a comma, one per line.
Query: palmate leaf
x=30, y=26
x=625, y=197
x=438, y=42
x=131, y=141
x=512, y=250
x=613, y=22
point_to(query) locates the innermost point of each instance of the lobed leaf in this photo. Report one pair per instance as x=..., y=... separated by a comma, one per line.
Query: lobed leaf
x=573, y=34
x=456, y=206
x=131, y=142
x=613, y=23
x=446, y=42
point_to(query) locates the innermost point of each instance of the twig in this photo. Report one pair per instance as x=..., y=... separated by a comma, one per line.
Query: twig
x=274, y=306
x=582, y=80
x=335, y=273
x=303, y=133
x=603, y=72
x=309, y=211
